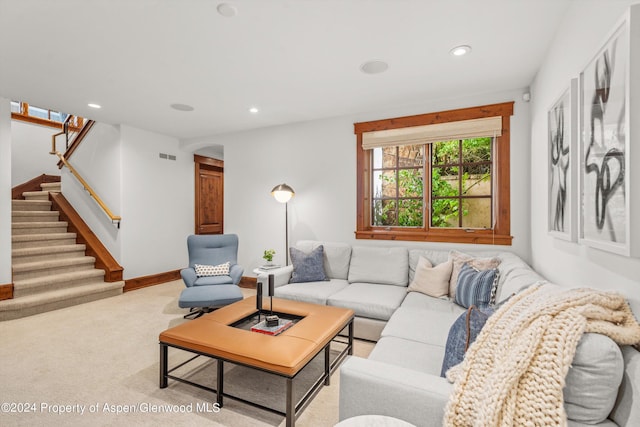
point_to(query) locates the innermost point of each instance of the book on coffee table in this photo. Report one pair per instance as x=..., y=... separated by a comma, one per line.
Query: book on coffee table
x=283, y=325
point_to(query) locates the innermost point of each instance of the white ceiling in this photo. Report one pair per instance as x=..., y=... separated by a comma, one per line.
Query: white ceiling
x=296, y=60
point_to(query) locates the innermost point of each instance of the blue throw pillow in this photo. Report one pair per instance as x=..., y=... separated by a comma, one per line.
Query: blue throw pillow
x=307, y=267
x=462, y=334
x=476, y=287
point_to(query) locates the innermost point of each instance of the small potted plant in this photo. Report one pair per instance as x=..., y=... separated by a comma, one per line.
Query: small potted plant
x=268, y=256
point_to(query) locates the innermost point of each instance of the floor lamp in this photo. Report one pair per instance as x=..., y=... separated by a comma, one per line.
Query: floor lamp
x=283, y=193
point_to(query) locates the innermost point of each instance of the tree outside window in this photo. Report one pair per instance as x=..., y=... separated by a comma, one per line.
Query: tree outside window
x=449, y=190
x=460, y=184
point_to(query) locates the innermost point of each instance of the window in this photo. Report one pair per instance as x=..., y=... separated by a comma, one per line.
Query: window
x=42, y=116
x=436, y=177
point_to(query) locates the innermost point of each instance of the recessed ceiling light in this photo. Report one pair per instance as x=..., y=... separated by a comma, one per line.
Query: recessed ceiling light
x=253, y=110
x=181, y=107
x=96, y=106
x=225, y=9
x=374, y=67
x=460, y=50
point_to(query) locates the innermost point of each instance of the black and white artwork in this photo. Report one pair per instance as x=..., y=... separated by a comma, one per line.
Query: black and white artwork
x=562, y=148
x=604, y=205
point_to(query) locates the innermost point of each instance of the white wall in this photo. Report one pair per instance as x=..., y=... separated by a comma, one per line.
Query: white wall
x=153, y=196
x=318, y=159
x=583, y=31
x=5, y=191
x=98, y=160
x=157, y=203
x=30, y=146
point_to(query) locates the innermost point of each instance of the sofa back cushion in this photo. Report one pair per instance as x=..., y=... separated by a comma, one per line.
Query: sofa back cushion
x=627, y=411
x=593, y=380
x=387, y=266
x=515, y=275
x=336, y=257
x=435, y=256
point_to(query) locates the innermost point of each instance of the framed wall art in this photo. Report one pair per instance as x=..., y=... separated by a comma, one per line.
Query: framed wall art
x=562, y=146
x=606, y=125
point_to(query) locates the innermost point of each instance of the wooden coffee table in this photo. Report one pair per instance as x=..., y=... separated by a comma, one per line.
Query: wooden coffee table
x=222, y=335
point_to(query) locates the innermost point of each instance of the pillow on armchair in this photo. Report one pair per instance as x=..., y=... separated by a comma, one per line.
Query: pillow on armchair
x=212, y=270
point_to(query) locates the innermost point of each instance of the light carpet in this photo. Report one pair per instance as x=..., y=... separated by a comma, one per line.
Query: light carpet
x=97, y=364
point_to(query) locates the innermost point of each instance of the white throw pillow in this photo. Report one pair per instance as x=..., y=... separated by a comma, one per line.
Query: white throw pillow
x=432, y=281
x=212, y=270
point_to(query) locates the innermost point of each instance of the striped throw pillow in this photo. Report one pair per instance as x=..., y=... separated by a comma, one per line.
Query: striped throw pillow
x=212, y=270
x=476, y=287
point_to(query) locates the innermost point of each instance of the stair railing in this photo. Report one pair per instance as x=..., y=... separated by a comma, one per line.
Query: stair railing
x=115, y=219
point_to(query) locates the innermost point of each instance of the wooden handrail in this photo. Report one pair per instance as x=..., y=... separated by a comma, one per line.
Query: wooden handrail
x=114, y=218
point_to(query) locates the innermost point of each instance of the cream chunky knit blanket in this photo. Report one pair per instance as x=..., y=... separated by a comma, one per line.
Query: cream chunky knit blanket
x=514, y=373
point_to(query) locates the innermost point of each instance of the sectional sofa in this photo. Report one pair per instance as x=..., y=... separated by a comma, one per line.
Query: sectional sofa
x=401, y=377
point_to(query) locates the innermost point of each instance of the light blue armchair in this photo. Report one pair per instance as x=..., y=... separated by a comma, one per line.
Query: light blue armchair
x=211, y=291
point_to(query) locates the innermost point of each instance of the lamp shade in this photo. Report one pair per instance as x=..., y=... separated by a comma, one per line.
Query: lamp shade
x=282, y=193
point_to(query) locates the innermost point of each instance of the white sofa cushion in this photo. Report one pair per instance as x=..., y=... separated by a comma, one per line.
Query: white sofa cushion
x=436, y=257
x=427, y=303
x=418, y=356
x=415, y=324
x=370, y=300
x=593, y=380
x=313, y=292
x=387, y=266
x=336, y=256
x=515, y=275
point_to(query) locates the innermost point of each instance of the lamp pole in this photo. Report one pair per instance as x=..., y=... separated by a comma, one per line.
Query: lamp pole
x=283, y=193
x=286, y=231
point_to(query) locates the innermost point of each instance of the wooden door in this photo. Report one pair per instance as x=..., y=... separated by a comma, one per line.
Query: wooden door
x=209, y=177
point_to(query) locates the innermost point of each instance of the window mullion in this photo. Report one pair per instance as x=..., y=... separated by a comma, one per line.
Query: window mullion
x=426, y=187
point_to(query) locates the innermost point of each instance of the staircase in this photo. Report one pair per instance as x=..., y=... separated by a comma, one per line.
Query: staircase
x=50, y=271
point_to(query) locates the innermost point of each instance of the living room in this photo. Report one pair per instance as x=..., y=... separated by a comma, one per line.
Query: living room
x=317, y=157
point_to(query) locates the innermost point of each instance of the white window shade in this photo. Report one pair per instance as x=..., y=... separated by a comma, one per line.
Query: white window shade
x=474, y=128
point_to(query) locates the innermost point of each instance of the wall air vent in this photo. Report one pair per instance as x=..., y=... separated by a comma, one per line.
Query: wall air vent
x=167, y=156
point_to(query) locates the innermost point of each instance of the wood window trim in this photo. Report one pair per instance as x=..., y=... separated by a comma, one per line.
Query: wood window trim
x=501, y=233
